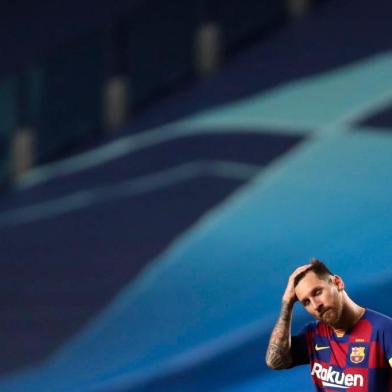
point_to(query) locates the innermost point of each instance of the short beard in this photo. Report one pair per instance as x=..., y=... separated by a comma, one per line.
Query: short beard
x=336, y=320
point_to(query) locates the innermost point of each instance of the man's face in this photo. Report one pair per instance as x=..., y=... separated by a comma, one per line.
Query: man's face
x=321, y=298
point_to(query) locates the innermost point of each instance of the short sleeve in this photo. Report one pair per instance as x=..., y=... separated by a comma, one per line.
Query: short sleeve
x=299, y=350
x=387, y=339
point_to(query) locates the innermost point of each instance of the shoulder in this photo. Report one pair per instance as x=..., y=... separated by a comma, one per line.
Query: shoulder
x=315, y=328
x=378, y=320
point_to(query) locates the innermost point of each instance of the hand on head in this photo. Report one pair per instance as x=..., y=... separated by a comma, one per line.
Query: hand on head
x=289, y=295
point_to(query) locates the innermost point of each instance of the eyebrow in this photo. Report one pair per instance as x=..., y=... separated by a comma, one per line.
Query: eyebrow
x=311, y=293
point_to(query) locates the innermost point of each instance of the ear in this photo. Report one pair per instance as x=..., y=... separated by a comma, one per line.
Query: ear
x=338, y=281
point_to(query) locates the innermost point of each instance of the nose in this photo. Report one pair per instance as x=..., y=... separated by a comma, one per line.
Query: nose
x=317, y=305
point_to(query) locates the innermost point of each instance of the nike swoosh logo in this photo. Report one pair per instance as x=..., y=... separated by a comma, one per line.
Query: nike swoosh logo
x=318, y=348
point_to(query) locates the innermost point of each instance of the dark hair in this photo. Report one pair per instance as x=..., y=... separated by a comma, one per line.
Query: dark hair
x=318, y=267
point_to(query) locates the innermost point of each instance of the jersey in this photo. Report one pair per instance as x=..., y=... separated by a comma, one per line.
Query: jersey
x=358, y=360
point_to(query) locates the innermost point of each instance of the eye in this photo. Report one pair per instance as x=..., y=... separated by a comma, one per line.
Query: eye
x=305, y=302
x=318, y=292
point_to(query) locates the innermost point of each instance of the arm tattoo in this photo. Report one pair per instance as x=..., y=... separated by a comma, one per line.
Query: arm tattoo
x=278, y=353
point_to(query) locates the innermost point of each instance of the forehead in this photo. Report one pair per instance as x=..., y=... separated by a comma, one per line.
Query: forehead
x=308, y=283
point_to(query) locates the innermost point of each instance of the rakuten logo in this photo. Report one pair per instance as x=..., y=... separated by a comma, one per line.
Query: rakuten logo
x=333, y=378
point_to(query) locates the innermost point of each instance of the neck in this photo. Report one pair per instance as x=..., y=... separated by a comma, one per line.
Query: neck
x=351, y=314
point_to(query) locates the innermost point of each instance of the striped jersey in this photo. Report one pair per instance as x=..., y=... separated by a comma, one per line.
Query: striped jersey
x=358, y=360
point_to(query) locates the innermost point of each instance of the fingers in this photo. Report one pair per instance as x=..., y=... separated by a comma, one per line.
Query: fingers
x=300, y=269
x=289, y=294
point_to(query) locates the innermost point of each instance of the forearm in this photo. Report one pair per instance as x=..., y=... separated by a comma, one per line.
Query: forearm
x=278, y=353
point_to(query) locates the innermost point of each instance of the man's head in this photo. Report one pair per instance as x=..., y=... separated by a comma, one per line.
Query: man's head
x=320, y=292
x=318, y=267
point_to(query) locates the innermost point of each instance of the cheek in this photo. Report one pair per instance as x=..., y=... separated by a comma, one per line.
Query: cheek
x=312, y=311
x=331, y=298
x=335, y=298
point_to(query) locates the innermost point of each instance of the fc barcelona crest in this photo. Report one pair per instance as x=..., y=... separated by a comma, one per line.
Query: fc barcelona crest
x=357, y=354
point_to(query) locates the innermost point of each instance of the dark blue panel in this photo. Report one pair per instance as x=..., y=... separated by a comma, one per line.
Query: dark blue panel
x=8, y=105
x=4, y=162
x=30, y=30
x=32, y=84
x=381, y=120
x=161, y=40
x=8, y=123
x=241, y=19
x=72, y=97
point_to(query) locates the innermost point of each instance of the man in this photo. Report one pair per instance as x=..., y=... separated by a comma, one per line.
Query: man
x=349, y=348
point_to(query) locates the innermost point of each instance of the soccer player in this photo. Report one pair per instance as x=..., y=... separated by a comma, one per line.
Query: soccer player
x=349, y=348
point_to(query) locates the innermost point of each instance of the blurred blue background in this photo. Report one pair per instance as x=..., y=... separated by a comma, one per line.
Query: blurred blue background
x=165, y=166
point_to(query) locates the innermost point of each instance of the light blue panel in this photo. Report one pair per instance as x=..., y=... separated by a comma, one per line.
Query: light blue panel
x=310, y=103
x=331, y=198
